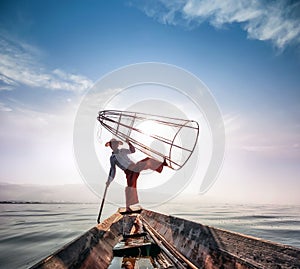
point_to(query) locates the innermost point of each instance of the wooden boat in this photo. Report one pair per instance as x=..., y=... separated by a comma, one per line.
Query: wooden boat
x=146, y=239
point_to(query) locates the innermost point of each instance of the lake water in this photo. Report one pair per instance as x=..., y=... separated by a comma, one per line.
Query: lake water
x=30, y=232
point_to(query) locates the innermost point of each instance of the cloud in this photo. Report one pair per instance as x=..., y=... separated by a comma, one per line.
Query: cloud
x=4, y=108
x=271, y=149
x=19, y=65
x=276, y=146
x=39, y=144
x=231, y=123
x=277, y=21
x=270, y=140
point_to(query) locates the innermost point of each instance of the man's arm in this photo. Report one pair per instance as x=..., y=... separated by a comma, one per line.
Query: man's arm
x=131, y=147
x=112, y=171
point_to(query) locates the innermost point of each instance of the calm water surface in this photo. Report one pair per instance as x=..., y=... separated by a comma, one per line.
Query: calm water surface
x=30, y=232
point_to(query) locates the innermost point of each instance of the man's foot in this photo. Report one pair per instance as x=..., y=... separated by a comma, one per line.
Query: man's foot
x=159, y=168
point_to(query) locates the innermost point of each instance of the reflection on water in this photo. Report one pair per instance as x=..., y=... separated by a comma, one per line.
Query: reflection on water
x=30, y=232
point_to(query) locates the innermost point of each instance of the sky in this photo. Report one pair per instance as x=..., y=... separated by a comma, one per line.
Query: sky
x=247, y=53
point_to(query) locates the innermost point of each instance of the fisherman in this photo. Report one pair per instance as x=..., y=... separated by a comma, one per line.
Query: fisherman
x=132, y=170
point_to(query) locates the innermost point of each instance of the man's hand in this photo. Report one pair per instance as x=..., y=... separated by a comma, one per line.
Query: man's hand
x=131, y=147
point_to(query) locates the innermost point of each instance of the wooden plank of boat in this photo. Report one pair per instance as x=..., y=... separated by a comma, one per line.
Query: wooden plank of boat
x=176, y=243
x=209, y=247
x=91, y=250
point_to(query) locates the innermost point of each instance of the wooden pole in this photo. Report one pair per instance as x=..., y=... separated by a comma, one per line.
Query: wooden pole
x=102, y=204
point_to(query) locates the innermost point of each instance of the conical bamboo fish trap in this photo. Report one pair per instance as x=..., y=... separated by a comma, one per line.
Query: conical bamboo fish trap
x=156, y=136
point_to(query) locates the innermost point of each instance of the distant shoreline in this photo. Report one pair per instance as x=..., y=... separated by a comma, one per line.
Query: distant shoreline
x=36, y=202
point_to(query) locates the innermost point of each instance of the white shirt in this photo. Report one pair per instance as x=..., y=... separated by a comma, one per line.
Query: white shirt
x=121, y=159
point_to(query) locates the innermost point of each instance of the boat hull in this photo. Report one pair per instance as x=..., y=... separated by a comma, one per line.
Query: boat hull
x=208, y=247
x=197, y=245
